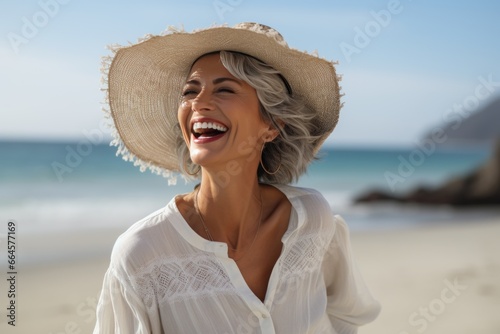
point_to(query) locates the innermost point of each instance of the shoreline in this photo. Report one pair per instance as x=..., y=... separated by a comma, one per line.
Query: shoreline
x=407, y=270
x=37, y=250
x=67, y=217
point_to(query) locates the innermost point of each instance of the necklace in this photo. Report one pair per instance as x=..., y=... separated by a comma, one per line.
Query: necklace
x=210, y=235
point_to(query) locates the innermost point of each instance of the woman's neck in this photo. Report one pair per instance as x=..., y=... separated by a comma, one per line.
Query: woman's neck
x=231, y=209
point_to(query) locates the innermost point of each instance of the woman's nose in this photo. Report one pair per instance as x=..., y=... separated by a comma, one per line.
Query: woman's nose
x=203, y=102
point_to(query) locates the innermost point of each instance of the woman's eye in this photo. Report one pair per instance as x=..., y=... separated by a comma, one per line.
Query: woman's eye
x=188, y=92
x=225, y=90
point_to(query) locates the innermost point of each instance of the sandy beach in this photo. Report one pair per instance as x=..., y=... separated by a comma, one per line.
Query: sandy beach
x=436, y=279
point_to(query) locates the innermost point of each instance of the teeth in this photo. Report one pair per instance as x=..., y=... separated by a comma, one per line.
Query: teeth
x=209, y=125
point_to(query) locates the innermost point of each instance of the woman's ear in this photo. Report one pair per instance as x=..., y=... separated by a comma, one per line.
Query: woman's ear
x=268, y=134
x=273, y=133
x=274, y=129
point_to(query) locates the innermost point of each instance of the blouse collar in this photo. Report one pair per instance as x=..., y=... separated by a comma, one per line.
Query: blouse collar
x=297, y=219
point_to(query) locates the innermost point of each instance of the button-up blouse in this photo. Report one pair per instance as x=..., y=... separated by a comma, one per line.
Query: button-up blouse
x=165, y=278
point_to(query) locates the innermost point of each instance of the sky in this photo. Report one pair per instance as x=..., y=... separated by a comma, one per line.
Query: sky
x=407, y=65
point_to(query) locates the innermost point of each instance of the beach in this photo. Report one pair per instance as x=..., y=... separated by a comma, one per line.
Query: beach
x=434, y=279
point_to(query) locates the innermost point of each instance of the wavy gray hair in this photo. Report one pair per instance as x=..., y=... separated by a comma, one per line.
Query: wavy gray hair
x=293, y=149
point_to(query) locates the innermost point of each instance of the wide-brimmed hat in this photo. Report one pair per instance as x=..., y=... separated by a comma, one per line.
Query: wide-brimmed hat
x=144, y=82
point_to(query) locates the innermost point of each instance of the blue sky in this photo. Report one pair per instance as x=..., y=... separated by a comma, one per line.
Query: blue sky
x=399, y=81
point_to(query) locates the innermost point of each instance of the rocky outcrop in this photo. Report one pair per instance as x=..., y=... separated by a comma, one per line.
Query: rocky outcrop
x=464, y=128
x=480, y=187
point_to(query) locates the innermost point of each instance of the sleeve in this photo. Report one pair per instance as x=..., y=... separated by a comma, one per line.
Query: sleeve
x=119, y=309
x=350, y=304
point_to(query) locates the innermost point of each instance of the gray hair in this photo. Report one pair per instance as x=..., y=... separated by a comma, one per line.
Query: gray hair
x=293, y=149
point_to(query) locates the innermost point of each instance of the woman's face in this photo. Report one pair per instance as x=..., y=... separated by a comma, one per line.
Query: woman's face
x=219, y=116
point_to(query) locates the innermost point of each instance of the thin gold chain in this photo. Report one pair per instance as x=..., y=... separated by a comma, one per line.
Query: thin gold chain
x=210, y=235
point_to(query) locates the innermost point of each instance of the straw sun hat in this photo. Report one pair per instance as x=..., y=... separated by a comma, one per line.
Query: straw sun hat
x=144, y=82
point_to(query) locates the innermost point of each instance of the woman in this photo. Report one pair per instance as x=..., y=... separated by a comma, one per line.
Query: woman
x=244, y=252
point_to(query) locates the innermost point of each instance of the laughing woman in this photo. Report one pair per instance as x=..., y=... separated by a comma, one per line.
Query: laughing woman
x=245, y=252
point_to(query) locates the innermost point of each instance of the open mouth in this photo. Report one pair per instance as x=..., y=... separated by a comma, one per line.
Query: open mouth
x=207, y=129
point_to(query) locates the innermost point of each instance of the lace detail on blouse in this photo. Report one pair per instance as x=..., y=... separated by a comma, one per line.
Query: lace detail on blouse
x=177, y=278
x=304, y=256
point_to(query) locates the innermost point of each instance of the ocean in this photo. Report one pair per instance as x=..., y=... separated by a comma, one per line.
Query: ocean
x=78, y=186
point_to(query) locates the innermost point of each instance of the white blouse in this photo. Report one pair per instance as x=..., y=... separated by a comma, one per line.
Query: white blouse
x=165, y=278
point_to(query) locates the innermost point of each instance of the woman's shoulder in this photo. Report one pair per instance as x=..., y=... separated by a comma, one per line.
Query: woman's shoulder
x=298, y=193
x=144, y=239
x=317, y=208
x=306, y=197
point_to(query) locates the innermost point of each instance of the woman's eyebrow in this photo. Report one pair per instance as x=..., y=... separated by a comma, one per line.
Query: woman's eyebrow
x=219, y=80
x=193, y=82
x=215, y=81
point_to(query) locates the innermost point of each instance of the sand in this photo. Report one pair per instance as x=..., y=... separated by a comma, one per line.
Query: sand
x=438, y=279
x=443, y=279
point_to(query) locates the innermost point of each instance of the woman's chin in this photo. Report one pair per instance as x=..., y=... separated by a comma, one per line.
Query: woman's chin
x=203, y=157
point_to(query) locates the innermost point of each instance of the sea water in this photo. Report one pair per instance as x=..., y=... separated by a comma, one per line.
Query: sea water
x=58, y=187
